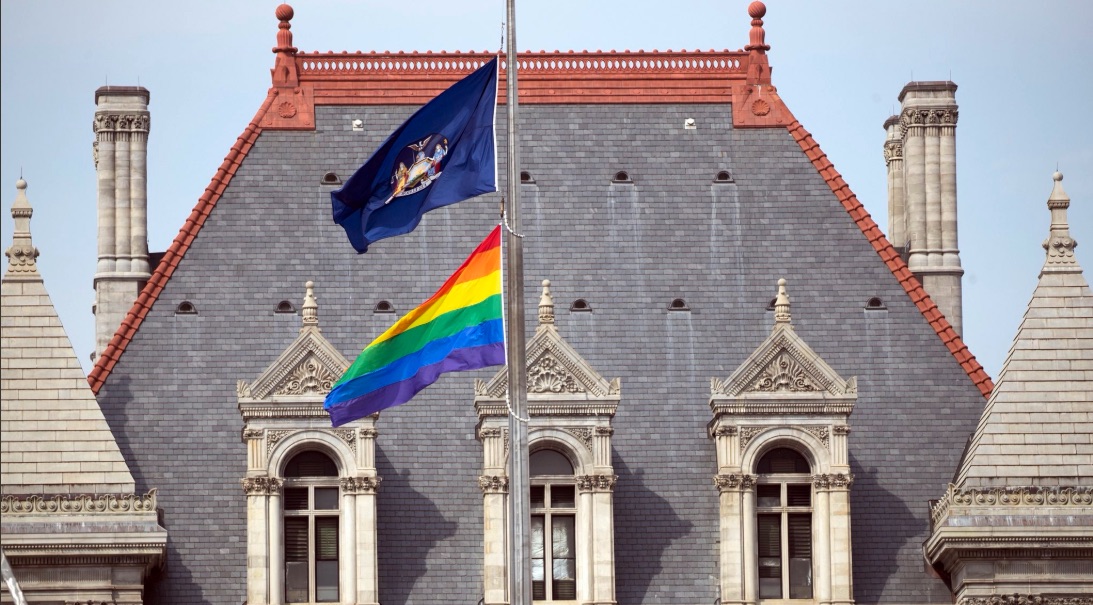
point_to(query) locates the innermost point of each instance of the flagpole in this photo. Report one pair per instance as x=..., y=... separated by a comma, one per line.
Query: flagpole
x=519, y=513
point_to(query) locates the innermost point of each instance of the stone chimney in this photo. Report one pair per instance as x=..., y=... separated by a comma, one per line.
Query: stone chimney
x=121, y=154
x=920, y=151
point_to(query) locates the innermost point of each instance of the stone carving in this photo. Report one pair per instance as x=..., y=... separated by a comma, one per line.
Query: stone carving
x=784, y=374
x=760, y=107
x=820, y=432
x=494, y=484
x=547, y=375
x=349, y=436
x=309, y=377
x=725, y=431
x=360, y=485
x=746, y=434
x=841, y=429
x=733, y=482
x=833, y=480
x=272, y=437
x=893, y=150
x=485, y=433
x=286, y=109
x=1026, y=599
x=242, y=389
x=252, y=434
x=81, y=503
x=262, y=486
x=22, y=259
x=369, y=433
x=605, y=430
x=106, y=123
x=1021, y=496
x=583, y=434
x=596, y=483
x=1060, y=249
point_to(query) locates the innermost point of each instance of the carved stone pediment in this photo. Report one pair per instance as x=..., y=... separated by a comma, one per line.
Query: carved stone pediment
x=555, y=372
x=784, y=365
x=307, y=369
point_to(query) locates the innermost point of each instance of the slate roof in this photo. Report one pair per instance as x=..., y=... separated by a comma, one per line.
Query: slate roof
x=53, y=437
x=1037, y=428
x=263, y=228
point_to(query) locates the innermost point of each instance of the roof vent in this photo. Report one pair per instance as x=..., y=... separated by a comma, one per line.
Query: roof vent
x=622, y=177
x=723, y=177
x=185, y=308
x=581, y=305
x=525, y=178
x=285, y=307
x=678, y=305
x=331, y=178
x=383, y=306
x=875, y=304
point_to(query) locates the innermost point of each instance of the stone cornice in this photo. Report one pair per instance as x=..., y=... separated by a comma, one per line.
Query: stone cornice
x=1027, y=599
x=1020, y=497
x=64, y=504
x=549, y=408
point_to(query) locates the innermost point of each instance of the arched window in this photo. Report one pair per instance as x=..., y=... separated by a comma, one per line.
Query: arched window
x=553, y=523
x=784, y=524
x=311, y=529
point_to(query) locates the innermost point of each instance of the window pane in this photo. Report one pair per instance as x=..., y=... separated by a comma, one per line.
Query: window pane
x=326, y=581
x=562, y=496
x=296, y=539
x=561, y=536
x=800, y=535
x=538, y=496
x=798, y=495
x=770, y=556
x=800, y=556
x=296, y=582
x=295, y=498
x=770, y=536
x=565, y=590
x=549, y=462
x=800, y=578
x=768, y=495
x=326, y=498
x=326, y=538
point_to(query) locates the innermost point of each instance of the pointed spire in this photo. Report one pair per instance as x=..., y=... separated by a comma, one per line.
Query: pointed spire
x=22, y=255
x=311, y=307
x=546, y=306
x=1059, y=245
x=781, y=305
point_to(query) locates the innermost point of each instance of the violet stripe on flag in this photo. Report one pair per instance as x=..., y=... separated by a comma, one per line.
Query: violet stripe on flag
x=458, y=328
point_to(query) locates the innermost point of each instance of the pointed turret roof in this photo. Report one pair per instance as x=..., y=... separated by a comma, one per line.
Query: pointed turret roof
x=54, y=438
x=1037, y=424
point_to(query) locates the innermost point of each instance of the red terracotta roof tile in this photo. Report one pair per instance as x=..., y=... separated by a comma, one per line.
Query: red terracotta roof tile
x=891, y=258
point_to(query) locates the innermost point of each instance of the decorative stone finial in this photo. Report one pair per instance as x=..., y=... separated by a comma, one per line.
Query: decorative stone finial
x=756, y=10
x=22, y=255
x=311, y=306
x=284, y=14
x=546, y=305
x=781, y=304
x=1059, y=245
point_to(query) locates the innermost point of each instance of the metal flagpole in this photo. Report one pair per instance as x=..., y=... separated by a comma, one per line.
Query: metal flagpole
x=519, y=513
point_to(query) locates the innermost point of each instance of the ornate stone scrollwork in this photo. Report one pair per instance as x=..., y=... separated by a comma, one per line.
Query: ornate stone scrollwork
x=252, y=434
x=22, y=259
x=841, y=429
x=596, y=483
x=273, y=437
x=486, y=433
x=725, y=431
x=734, y=482
x=349, y=436
x=262, y=486
x=81, y=503
x=242, y=389
x=360, y=485
x=833, y=480
x=893, y=150
x=784, y=374
x=1027, y=599
x=1022, y=496
x=820, y=432
x=494, y=484
x=605, y=430
x=747, y=433
x=369, y=433
x=309, y=377
x=548, y=375
x=584, y=434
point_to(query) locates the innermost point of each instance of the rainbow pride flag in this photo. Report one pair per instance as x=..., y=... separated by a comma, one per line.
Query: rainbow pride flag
x=459, y=328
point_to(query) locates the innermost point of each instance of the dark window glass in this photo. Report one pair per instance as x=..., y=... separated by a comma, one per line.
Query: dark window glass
x=798, y=495
x=768, y=495
x=549, y=462
x=562, y=496
x=326, y=498
x=770, y=556
x=296, y=575
x=538, y=496
x=295, y=498
x=782, y=460
x=800, y=556
x=311, y=464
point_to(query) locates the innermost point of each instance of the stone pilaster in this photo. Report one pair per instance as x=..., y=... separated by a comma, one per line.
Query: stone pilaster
x=121, y=128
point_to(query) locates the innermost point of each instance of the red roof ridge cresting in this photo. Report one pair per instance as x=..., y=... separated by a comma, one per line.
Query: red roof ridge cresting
x=891, y=258
x=174, y=254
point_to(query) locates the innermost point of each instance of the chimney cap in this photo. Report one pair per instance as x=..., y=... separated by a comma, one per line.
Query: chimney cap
x=123, y=91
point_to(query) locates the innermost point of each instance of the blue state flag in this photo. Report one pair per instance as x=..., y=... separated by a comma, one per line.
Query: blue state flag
x=443, y=154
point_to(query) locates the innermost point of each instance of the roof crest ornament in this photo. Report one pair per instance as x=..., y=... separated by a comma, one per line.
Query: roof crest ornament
x=546, y=306
x=757, y=36
x=1059, y=245
x=284, y=14
x=311, y=307
x=22, y=255
x=781, y=306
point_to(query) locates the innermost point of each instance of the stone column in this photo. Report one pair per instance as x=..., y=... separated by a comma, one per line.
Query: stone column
x=276, y=547
x=751, y=539
x=730, y=503
x=603, y=543
x=347, y=546
x=932, y=143
x=897, y=203
x=495, y=583
x=821, y=539
x=261, y=518
x=121, y=132
x=842, y=572
x=359, y=504
x=914, y=160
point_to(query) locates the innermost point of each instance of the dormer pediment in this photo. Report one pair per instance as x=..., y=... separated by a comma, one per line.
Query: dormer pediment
x=559, y=380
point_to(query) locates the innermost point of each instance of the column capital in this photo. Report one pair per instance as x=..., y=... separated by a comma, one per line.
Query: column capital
x=734, y=482
x=833, y=481
x=262, y=486
x=494, y=484
x=596, y=483
x=360, y=485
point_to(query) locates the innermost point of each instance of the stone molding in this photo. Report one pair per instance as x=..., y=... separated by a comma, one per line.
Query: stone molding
x=1027, y=599
x=833, y=480
x=784, y=364
x=309, y=377
x=22, y=258
x=106, y=123
x=262, y=486
x=920, y=117
x=596, y=483
x=733, y=482
x=784, y=374
x=360, y=485
x=1025, y=496
x=494, y=484
x=64, y=504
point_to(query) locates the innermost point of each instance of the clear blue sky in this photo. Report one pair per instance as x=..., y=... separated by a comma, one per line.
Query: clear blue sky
x=1024, y=70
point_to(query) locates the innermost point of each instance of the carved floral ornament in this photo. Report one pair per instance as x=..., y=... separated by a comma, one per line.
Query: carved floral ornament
x=893, y=150
x=262, y=486
x=120, y=121
x=833, y=480
x=734, y=482
x=583, y=434
x=309, y=378
x=494, y=484
x=596, y=483
x=360, y=485
x=1029, y=496
x=82, y=503
x=1026, y=599
x=548, y=375
x=784, y=374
